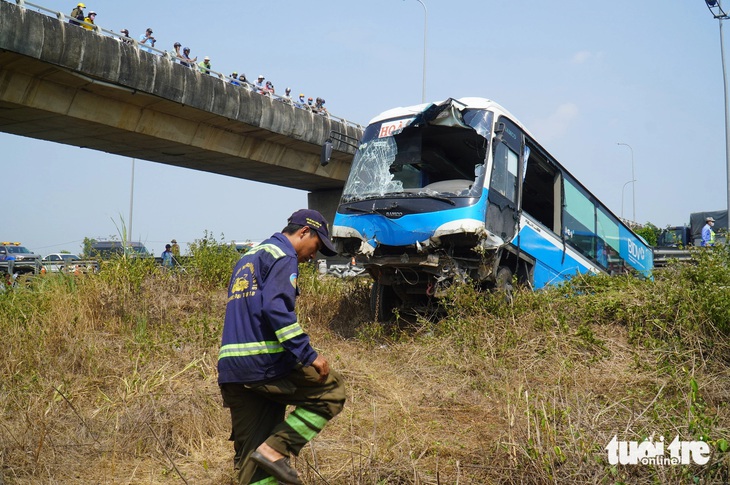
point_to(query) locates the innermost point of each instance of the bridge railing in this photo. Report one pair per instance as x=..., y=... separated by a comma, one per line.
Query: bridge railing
x=169, y=55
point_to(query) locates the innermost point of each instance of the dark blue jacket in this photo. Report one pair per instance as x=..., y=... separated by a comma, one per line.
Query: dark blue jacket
x=262, y=339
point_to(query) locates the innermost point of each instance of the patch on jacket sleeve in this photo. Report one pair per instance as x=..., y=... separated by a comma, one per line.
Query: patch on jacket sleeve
x=293, y=279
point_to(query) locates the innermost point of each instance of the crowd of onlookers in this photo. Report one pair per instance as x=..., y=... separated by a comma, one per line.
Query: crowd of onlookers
x=182, y=55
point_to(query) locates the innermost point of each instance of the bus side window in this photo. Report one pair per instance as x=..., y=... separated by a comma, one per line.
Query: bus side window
x=579, y=220
x=541, y=193
x=609, y=233
x=504, y=172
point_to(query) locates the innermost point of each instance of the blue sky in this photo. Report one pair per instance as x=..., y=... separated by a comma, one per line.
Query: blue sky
x=581, y=76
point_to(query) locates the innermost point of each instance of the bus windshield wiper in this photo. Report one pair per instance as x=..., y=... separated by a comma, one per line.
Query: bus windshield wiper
x=357, y=209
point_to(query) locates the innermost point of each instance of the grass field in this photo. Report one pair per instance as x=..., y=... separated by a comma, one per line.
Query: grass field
x=111, y=378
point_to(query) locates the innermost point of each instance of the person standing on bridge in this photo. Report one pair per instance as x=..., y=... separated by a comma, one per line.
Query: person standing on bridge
x=244, y=82
x=260, y=85
x=146, y=39
x=176, y=54
x=204, y=65
x=319, y=106
x=77, y=14
x=90, y=20
x=188, y=61
x=708, y=235
x=125, y=36
x=266, y=361
x=287, y=96
x=302, y=103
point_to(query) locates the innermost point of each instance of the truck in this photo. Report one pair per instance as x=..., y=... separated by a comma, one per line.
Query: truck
x=673, y=242
x=459, y=190
x=17, y=259
x=108, y=249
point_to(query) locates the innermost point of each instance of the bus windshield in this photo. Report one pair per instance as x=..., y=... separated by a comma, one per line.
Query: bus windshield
x=439, y=152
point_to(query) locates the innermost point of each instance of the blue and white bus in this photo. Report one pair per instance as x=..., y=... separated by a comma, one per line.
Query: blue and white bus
x=461, y=191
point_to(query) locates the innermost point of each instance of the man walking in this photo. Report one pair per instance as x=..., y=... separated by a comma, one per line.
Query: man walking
x=708, y=235
x=266, y=361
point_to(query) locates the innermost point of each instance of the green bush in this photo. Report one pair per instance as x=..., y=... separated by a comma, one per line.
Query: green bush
x=649, y=232
x=211, y=261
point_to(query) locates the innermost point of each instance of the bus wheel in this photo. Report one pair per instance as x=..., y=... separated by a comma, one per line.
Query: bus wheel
x=383, y=301
x=503, y=282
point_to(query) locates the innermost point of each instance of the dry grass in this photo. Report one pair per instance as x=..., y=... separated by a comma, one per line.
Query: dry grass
x=103, y=383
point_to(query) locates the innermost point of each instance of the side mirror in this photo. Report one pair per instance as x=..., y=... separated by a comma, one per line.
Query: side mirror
x=326, y=153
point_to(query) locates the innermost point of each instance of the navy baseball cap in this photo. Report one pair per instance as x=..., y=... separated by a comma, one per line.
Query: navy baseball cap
x=315, y=221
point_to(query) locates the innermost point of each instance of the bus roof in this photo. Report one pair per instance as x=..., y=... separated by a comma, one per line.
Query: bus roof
x=467, y=102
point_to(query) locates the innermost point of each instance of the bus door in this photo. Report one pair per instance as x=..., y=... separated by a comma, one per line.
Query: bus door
x=505, y=181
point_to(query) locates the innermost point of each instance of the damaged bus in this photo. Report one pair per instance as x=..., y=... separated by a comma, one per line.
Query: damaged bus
x=460, y=191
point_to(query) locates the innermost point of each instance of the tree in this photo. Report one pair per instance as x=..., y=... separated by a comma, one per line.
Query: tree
x=87, y=251
x=649, y=232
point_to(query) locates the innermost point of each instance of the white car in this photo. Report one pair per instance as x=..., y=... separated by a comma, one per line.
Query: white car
x=60, y=262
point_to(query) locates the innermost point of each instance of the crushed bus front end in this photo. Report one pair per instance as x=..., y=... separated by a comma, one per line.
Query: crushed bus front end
x=414, y=208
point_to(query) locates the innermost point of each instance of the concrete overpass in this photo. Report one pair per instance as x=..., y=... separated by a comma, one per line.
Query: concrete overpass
x=63, y=83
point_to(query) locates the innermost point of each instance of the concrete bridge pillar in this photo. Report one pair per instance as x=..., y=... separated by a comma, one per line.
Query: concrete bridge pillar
x=326, y=202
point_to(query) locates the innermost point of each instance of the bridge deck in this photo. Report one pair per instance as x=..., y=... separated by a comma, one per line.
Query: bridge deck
x=66, y=84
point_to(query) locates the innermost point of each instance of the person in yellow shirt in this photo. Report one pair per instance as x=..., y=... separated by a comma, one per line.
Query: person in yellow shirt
x=175, y=249
x=90, y=20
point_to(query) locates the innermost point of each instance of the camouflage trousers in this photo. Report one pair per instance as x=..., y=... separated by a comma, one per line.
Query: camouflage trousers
x=258, y=414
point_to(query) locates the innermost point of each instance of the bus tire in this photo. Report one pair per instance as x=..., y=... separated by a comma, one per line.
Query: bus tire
x=503, y=282
x=383, y=301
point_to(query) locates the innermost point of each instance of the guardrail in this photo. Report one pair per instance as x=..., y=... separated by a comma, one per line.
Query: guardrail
x=169, y=55
x=73, y=266
x=662, y=256
x=12, y=267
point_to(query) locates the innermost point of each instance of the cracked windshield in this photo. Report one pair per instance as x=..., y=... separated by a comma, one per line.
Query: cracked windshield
x=434, y=154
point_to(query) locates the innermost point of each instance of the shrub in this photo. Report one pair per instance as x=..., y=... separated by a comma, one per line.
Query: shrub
x=212, y=261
